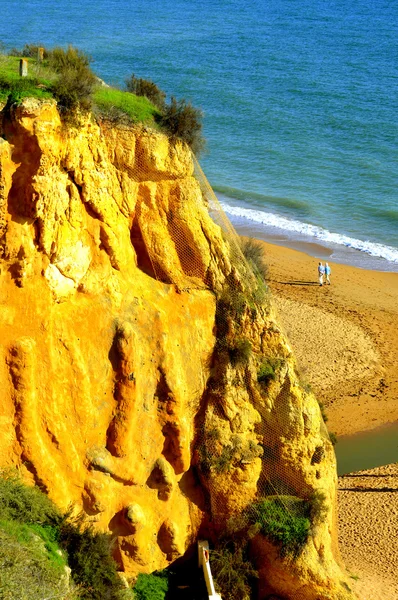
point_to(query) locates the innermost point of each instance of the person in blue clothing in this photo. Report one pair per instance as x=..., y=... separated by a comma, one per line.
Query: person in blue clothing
x=321, y=273
x=327, y=273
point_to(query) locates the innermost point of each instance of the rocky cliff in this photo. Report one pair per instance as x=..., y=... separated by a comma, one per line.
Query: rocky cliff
x=126, y=389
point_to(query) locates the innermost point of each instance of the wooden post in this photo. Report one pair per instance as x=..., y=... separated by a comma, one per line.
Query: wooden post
x=23, y=67
x=40, y=54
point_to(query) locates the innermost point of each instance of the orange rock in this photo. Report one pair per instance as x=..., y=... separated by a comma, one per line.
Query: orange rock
x=109, y=264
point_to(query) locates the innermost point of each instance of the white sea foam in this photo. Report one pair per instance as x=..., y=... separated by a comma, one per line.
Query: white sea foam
x=282, y=223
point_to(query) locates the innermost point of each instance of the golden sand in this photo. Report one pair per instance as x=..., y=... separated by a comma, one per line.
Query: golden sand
x=368, y=531
x=345, y=337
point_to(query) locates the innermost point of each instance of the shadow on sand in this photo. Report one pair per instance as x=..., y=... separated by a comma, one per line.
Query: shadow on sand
x=360, y=475
x=298, y=283
x=368, y=489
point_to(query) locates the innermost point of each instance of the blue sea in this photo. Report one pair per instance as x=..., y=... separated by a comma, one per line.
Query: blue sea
x=299, y=97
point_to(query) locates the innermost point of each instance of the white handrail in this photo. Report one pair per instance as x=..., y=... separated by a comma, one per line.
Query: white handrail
x=204, y=562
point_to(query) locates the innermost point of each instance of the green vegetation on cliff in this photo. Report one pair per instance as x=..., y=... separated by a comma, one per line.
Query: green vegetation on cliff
x=66, y=75
x=285, y=521
x=38, y=544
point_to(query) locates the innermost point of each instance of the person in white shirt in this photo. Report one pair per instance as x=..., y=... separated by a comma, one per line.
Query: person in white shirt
x=321, y=273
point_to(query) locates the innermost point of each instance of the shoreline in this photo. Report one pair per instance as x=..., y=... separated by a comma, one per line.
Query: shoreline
x=344, y=336
x=337, y=254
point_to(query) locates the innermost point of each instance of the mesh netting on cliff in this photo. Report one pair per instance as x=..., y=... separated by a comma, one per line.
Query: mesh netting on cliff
x=261, y=441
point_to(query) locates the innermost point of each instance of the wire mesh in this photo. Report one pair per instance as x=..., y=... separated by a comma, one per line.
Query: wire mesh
x=249, y=451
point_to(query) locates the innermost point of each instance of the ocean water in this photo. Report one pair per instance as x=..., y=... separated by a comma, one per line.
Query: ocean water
x=300, y=102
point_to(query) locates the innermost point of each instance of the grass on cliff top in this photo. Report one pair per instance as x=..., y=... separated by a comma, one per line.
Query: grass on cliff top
x=139, y=109
x=38, y=84
x=66, y=76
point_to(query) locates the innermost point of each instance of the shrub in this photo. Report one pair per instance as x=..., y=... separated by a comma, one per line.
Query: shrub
x=254, y=253
x=231, y=303
x=27, y=571
x=233, y=573
x=323, y=411
x=205, y=449
x=318, y=507
x=59, y=59
x=31, y=51
x=306, y=387
x=223, y=462
x=333, y=438
x=240, y=352
x=260, y=294
x=28, y=51
x=15, y=52
x=75, y=83
x=145, y=87
x=268, y=368
x=210, y=459
x=26, y=515
x=25, y=504
x=183, y=121
x=152, y=586
x=284, y=520
x=90, y=558
x=236, y=451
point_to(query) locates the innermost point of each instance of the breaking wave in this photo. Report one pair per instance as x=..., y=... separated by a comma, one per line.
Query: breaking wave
x=282, y=223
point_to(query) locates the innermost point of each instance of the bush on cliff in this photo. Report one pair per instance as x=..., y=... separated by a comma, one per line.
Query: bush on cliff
x=76, y=82
x=152, y=586
x=66, y=75
x=254, y=253
x=145, y=87
x=183, y=121
x=233, y=572
x=285, y=521
x=90, y=558
x=29, y=51
x=25, y=504
x=36, y=543
x=268, y=369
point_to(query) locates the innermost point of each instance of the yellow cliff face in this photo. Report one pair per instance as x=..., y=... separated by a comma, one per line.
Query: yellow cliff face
x=109, y=262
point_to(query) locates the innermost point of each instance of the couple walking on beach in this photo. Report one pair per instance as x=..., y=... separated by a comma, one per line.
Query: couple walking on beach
x=324, y=271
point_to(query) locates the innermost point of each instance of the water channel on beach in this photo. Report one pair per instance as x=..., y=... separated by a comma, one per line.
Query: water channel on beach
x=367, y=450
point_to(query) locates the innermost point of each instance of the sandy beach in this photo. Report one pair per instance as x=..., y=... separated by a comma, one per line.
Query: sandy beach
x=345, y=337
x=368, y=526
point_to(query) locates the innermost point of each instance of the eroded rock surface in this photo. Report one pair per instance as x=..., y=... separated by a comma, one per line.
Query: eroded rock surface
x=108, y=356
